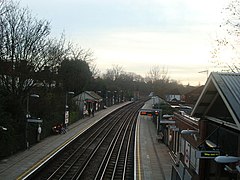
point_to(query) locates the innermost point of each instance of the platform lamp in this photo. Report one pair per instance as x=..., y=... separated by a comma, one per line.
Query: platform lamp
x=3, y=128
x=228, y=160
x=66, y=120
x=191, y=132
x=28, y=116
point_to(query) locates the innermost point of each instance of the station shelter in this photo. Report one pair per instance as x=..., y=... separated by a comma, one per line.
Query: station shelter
x=212, y=130
x=88, y=102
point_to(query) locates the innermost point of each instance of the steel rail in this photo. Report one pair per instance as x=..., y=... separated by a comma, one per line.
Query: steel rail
x=108, y=153
x=76, y=155
x=117, y=133
x=130, y=137
x=101, y=174
x=54, y=161
x=77, y=165
x=120, y=165
x=97, y=146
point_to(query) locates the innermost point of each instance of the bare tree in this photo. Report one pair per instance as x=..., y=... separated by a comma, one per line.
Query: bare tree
x=25, y=48
x=95, y=71
x=78, y=53
x=135, y=77
x=56, y=52
x=114, y=73
x=3, y=3
x=156, y=73
x=226, y=49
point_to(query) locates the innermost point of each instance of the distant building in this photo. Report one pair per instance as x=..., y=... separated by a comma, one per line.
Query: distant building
x=174, y=96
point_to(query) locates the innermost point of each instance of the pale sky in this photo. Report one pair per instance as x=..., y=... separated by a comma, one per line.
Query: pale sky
x=139, y=34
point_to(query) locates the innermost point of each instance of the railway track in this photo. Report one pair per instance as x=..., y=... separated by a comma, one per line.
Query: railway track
x=104, y=151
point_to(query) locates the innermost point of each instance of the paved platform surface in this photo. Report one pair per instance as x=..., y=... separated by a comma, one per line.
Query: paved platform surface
x=18, y=165
x=152, y=157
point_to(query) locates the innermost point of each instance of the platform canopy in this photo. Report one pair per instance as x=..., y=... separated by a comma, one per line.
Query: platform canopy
x=220, y=100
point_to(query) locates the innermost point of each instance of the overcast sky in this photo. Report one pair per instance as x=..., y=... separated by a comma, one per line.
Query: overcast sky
x=139, y=34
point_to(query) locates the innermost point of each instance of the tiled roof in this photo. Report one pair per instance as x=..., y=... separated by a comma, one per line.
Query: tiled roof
x=94, y=95
x=87, y=95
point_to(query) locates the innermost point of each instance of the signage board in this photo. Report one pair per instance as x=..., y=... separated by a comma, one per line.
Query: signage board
x=145, y=113
x=149, y=113
x=66, y=117
x=207, y=154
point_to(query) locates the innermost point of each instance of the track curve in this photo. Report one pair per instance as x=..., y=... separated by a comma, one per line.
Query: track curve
x=104, y=151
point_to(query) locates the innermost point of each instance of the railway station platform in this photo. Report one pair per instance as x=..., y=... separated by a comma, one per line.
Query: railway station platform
x=20, y=164
x=152, y=159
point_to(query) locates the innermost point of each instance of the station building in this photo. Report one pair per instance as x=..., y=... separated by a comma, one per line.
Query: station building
x=214, y=131
x=87, y=102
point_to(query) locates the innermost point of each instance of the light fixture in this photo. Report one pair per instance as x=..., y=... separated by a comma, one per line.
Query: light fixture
x=191, y=132
x=3, y=128
x=210, y=144
x=226, y=159
x=34, y=95
x=70, y=92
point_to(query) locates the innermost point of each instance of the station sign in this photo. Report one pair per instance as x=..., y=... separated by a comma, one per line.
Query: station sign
x=146, y=113
x=207, y=154
x=149, y=113
x=66, y=117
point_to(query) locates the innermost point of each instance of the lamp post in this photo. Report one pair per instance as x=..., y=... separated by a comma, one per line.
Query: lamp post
x=105, y=99
x=28, y=116
x=99, y=101
x=121, y=96
x=66, y=120
x=108, y=98
x=114, y=97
